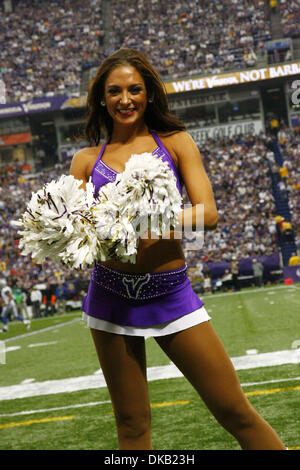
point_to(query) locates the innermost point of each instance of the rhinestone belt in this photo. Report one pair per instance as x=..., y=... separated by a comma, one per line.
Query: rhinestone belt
x=139, y=286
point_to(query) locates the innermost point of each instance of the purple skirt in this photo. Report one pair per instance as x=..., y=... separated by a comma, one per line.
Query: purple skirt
x=141, y=299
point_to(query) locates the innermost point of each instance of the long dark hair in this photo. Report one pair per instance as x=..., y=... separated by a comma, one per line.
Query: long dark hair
x=157, y=115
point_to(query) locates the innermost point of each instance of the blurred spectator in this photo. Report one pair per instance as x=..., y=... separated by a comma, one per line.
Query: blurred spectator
x=17, y=296
x=20, y=297
x=283, y=171
x=48, y=302
x=274, y=125
x=273, y=5
x=287, y=230
x=250, y=58
x=294, y=260
x=61, y=300
x=36, y=299
x=288, y=55
x=282, y=136
x=258, y=271
x=272, y=230
x=282, y=191
x=207, y=284
x=275, y=172
x=226, y=280
x=9, y=309
x=279, y=219
x=234, y=267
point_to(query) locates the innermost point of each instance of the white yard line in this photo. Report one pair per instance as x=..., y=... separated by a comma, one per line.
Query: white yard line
x=59, y=408
x=272, y=381
x=105, y=402
x=88, y=382
x=252, y=291
x=37, y=345
x=42, y=330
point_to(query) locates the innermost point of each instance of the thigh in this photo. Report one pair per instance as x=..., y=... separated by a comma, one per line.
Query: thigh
x=201, y=357
x=123, y=363
x=4, y=311
x=9, y=310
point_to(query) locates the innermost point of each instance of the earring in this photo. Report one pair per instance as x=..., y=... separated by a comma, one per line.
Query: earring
x=102, y=103
x=150, y=100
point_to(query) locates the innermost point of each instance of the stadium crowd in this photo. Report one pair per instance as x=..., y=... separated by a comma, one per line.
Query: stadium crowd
x=290, y=13
x=45, y=46
x=45, y=54
x=240, y=177
x=201, y=37
x=289, y=143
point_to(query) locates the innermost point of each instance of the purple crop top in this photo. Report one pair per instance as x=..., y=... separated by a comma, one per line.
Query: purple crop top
x=103, y=174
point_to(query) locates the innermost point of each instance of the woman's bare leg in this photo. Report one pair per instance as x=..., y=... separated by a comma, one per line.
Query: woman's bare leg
x=201, y=357
x=123, y=362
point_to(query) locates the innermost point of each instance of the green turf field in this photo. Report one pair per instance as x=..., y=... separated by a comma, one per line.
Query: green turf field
x=53, y=396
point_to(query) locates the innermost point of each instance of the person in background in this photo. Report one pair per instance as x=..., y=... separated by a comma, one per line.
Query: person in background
x=258, y=271
x=273, y=6
x=20, y=297
x=274, y=125
x=49, y=307
x=283, y=171
x=234, y=267
x=207, y=284
x=17, y=296
x=36, y=299
x=294, y=260
x=9, y=308
x=287, y=230
x=227, y=280
x=60, y=295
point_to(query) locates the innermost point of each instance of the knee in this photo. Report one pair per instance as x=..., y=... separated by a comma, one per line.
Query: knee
x=133, y=425
x=237, y=417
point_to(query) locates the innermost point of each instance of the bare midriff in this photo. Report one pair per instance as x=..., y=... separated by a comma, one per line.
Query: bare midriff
x=152, y=256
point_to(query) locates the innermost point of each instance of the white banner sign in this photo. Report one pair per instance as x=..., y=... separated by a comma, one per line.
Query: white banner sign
x=233, y=78
x=227, y=130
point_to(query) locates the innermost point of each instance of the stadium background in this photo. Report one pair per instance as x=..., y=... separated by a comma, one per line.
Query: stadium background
x=230, y=71
x=232, y=74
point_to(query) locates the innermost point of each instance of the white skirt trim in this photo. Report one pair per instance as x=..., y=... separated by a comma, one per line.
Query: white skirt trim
x=191, y=319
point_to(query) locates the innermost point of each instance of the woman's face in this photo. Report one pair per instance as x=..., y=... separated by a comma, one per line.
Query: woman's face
x=125, y=95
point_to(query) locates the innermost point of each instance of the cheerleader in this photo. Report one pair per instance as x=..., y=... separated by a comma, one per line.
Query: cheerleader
x=126, y=302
